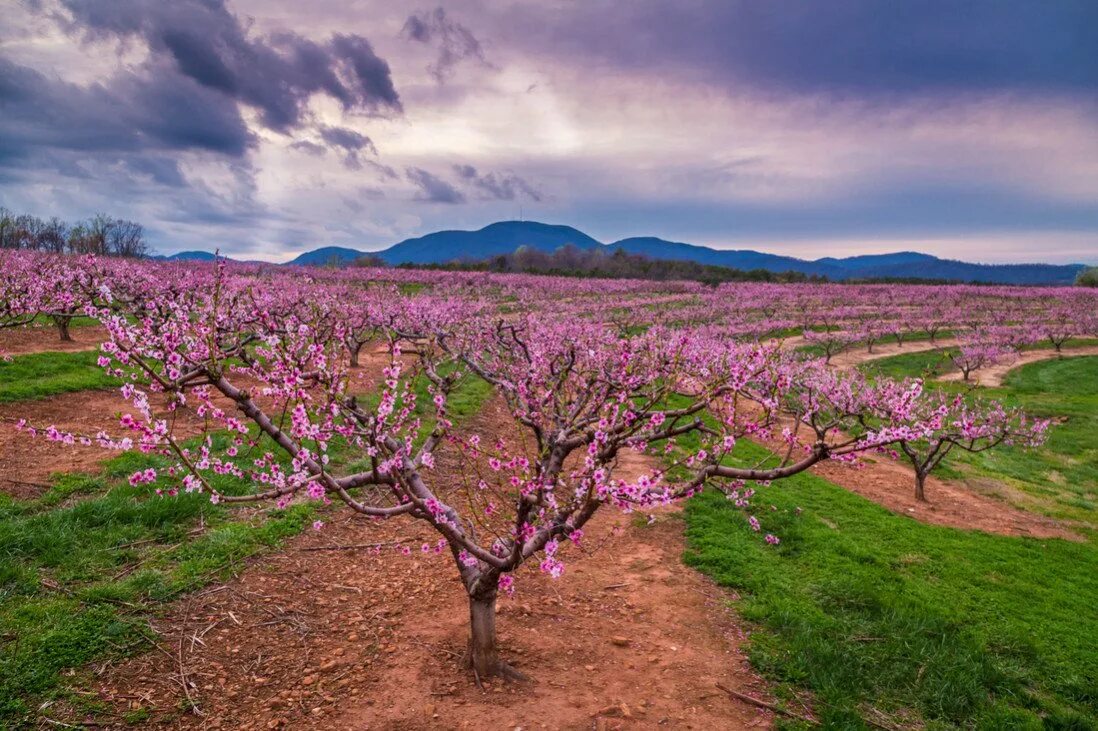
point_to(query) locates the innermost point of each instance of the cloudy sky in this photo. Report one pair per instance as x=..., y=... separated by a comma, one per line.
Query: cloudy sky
x=269, y=127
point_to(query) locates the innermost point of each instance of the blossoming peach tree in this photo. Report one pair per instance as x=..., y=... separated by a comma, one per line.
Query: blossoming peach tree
x=267, y=370
x=937, y=423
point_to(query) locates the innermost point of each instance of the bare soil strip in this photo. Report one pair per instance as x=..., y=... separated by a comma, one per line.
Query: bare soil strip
x=347, y=638
x=44, y=339
x=27, y=462
x=993, y=376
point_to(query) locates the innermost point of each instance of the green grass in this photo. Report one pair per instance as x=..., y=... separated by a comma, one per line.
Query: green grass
x=466, y=398
x=1060, y=478
x=872, y=610
x=920, y=364
x=39, y=375
x=83, y=565
x=78, y=321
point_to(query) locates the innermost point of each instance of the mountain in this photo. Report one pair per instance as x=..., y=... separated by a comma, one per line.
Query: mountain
x=327, y=255
x=506, y=236
x=871, y=261
x=498, y=238
x=745, y=259
x=192, y=256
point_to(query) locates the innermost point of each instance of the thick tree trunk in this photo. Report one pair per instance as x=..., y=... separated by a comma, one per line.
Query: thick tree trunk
x=63, y=328
x=483, y=655
x=920, y=487
x=354, y=354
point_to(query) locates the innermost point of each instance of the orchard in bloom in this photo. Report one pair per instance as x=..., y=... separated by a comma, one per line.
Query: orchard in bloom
x=271, y=373
x=264, y=356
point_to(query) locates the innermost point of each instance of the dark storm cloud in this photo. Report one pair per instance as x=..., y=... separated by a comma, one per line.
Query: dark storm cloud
x=433, y=189
x=454, y=41
x=350, y=143
x=347, y=139
x=309, y=148
x=504, y=187
x=161, y=170
x=275, y=74
x=851, y=46
x=122, y=141
x=128, y=112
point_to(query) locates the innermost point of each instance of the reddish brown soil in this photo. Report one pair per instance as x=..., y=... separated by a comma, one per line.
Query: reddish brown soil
x=993, y=376
x=44, y=338
x=27, y=462
x=892, y=485
x=346, y=639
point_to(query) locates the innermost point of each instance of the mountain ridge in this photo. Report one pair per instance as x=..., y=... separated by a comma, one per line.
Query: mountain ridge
x=504, y=237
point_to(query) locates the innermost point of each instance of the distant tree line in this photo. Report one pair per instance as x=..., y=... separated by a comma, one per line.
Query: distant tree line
x=1088, y=278
x=572, y=261
x=101, y=235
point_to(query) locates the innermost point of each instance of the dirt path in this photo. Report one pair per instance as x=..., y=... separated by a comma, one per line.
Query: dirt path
x=44, y=339
x=629, y=638
x=993, y=376
x=853, y=358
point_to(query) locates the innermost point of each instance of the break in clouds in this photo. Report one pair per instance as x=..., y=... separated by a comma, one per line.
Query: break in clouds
x=266, y=127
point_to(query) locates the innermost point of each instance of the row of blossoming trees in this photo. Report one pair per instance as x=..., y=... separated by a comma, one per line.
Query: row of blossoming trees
x=588, y=371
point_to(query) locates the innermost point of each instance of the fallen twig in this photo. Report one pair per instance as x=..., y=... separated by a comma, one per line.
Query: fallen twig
x=42, y=485
x=769, y=706
x=347, y=588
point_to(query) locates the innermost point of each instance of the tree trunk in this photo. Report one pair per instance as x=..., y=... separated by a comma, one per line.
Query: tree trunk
x=920, y=487
x=63, y=328
x=354, y=354
x=483, y=654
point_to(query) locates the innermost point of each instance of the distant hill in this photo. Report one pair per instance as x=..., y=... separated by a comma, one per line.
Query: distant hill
x=498, y=238
x=506, y=236
x=327, y=255
x=191, y=256
x=745, y=259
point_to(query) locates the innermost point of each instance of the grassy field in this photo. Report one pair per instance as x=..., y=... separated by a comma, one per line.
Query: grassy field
x=1059, y=479
x=39, y=375
x=83, y=565
x=889, y=621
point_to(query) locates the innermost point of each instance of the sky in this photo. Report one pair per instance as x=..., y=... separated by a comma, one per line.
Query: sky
x=265, y=128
